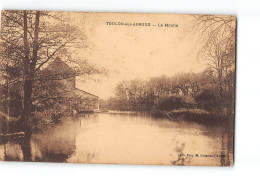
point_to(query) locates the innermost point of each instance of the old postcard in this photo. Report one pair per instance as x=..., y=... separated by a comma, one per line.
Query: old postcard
x=117, y=88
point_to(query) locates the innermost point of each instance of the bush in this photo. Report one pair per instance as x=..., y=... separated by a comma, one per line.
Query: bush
x=42, y=120
x=207, y=100
x=48, y=117
x=174, y=102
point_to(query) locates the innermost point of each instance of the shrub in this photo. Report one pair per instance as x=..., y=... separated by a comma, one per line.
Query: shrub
x=174, y=102
x=48, y=117
x=42, y=120
x=207, y=100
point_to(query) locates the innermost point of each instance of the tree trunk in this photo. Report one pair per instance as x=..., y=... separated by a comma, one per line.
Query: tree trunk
x=29, y=69
x=220, y=84
x=27, y=98
x=26, y=62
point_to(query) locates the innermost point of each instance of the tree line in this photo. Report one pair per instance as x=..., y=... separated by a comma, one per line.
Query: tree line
x=212, y=89
x=183, y=90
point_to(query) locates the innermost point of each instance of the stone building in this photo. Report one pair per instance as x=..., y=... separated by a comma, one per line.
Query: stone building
x=81, y=101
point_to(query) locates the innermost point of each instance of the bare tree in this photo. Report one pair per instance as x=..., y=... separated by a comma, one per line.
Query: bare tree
x=217, y=33
x=30, y=40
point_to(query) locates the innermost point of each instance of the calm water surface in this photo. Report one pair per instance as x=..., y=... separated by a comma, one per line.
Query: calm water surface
x=124, y=139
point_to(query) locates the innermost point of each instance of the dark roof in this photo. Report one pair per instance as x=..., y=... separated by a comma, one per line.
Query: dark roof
x=60, y=66
x=58, y=69
x=87, y=92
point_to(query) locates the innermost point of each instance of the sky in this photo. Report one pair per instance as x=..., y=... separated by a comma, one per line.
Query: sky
x=136, y=52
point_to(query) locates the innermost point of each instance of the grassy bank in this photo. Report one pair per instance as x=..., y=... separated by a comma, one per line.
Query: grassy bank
x=194, y=115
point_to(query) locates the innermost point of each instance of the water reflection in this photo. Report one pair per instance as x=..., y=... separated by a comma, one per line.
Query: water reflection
x=124, y=139
x=11, y=151
x=56, y=144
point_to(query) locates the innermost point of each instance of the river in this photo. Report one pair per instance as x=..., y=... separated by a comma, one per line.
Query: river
x=125, y=139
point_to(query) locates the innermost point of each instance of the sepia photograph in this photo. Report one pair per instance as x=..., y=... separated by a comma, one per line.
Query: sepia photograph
x=117, y=88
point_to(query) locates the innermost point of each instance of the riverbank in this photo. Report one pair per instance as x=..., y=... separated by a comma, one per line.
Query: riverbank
x=194, y=115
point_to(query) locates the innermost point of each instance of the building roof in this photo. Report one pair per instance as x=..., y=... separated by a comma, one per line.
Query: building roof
x=86, y=92
x=61, y=65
